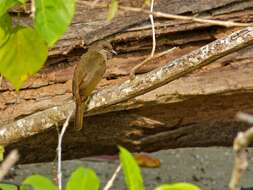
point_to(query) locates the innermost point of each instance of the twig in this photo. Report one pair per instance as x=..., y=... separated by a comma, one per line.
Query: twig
x=59, y=150
x=241, y=142
x=102, y=100
x=110, y=182
x=136, y=67
x=10, y=160
x=153, y=28
x=133, y=71
x=173, y=16
x=201, y=20
x=245, y=117
x=33, y=8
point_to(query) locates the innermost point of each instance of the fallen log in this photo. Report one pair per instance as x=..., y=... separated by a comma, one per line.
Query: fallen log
x=196, y=110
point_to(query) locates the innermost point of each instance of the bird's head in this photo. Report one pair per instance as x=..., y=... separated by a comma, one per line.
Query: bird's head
x=103, y=47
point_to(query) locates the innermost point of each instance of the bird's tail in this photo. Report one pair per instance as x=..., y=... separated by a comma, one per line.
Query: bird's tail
x=78, y=122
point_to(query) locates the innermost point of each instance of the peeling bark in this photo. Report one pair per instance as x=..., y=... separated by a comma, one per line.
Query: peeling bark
x=187, y=112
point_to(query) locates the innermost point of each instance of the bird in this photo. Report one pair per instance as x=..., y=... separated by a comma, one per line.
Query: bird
x=87, y=74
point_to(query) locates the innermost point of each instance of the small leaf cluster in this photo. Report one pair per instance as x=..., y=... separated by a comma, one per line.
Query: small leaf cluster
x=86, y=179
x=24, y=49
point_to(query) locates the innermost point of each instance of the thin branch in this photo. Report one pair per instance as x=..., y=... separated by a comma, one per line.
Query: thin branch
x=153, y=28
x=33, y=9
x=150, y=58
x=241, y=142
x=245, y=117
x=59, y=150
x=111, y=181
x=173, y=16
x=133, y=71
x=102, y=100
x=10, y=160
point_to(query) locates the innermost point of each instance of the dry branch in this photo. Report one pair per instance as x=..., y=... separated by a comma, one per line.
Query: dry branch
x=177, y=17
x=9, y=162
x=241, y=142
x=43, y=120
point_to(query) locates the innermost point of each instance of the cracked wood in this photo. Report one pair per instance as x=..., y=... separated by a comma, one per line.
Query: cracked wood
x=43, y=120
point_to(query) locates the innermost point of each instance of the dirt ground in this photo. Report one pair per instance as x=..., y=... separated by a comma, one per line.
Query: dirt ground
x=209, y=168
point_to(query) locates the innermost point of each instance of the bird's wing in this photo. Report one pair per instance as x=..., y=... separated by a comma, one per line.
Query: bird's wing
x=95, y=65
x=78, y=77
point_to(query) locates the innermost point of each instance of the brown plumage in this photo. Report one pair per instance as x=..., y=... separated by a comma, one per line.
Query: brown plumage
x=88, y=72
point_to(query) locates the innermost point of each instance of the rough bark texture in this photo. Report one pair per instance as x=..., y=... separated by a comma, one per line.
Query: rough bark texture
x=196, y=110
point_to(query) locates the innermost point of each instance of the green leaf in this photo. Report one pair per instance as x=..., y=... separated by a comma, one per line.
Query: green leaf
x=131, y=170
x=39, y=183
x=52, y=18
x=5, y=5
x=83, y=179
x=178, y=186
x=22, y=55
x=6, y=186
x=5, y=28
x=1, y=153
x=113, y=9
x=6, y=22
x=10, y=186
x=22, y=1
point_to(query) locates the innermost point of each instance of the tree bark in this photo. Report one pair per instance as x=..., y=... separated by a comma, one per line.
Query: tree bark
x=195, y=110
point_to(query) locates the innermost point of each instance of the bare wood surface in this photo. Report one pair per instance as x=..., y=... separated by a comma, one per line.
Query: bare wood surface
x=41, y=121
x=211, y=89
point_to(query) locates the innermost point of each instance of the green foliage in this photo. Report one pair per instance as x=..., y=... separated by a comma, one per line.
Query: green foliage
x=52, y=18
x=23, y=50
x=7, y=186
x=39, y=183
x=5, y=5
x=23, y=54
x=11, y=186
x=86, y=179
x=83, y=179
x=131, y=170
x=113, y=9
x=178, y=186
x=5, y=27
x=22, y=1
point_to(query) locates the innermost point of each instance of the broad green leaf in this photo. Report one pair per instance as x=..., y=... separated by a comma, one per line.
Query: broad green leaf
x=6, y=22
x=113, y=9
x=5, y=28
x=83, y=179
x=52, y=18
x=178, y=186
x=131, y=170
x=147, y=2
x=5, y=186
x=6, y=4
x=10, y=186
x=39, y=183
x=22, y=1
x=1, y=153
x=22, y=55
